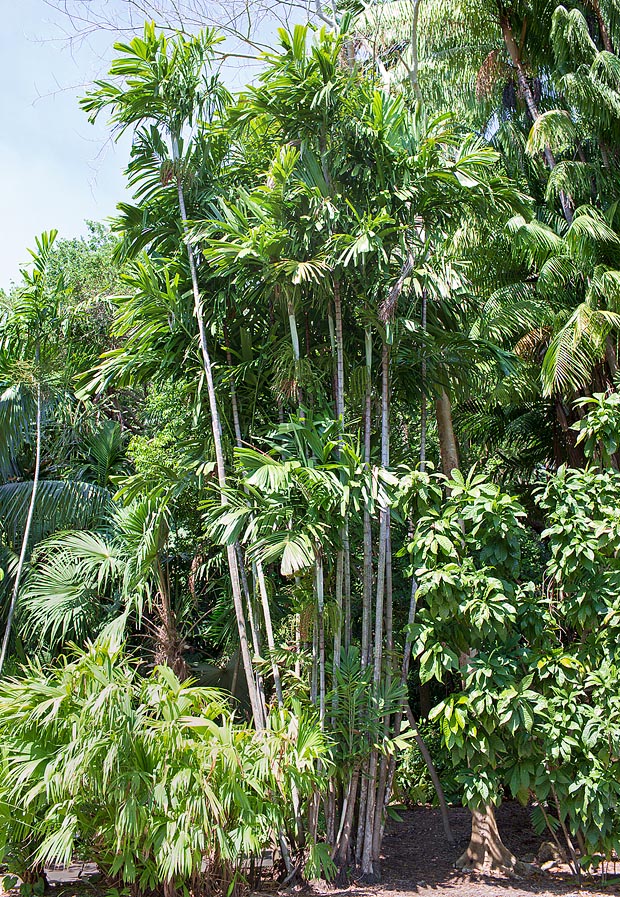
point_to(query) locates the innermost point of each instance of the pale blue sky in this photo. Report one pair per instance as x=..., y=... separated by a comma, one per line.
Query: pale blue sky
x=57, y=170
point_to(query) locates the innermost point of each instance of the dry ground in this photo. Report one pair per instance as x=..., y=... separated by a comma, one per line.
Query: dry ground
x=418, y=862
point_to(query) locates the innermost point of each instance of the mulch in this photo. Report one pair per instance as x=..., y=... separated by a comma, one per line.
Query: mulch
x=418, y=860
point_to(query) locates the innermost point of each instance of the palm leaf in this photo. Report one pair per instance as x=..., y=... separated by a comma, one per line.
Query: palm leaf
x=60, y=504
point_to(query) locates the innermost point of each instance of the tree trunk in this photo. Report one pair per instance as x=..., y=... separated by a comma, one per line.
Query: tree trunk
x=26, y=536
x=384, y=764
x=169, y=645
x=370, y=870
x=486, y=851
x=321, y=637
x=611, y=357
x=258, y=567
x=424, y=402
x=368, y=566
x=428, y=760
x=255, y=639
x=445, y=429
x=219, y=458
x=343, y=576
x=338, y=627
x=596, y=6
x=271, y=644
x=342, y=849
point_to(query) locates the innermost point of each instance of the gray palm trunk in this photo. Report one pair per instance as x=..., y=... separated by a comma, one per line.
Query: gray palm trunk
x=369, y=852
x=343, y=581
x=231, y=554
x=257, y=567
x=25, y=539
x=368, y=566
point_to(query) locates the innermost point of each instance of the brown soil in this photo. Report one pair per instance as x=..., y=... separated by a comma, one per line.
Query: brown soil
x=417, y=860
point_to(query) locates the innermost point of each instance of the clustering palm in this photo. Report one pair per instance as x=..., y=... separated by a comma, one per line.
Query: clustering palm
x=327, y=252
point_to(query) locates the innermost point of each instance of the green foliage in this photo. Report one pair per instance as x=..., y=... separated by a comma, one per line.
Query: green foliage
x=324, y=255
x=145, y=775
x=413, y=782
x=600, y=429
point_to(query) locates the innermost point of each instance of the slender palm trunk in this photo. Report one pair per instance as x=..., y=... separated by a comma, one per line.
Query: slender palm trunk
x=369, y=862
x=255, y=639
x=423, y=404
x=368, y=566
x=219, y=460
x=27, y=528
x=389, y=652
x=262, y=589
x=338, y=627
x=342, y=849
x=258, y=567
x=320, y=600
x=343, y=582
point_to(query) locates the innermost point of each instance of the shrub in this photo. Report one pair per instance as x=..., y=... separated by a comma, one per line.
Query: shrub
x=146, y=776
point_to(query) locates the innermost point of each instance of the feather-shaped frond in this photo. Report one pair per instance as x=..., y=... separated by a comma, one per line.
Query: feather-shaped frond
x=59, y=504
x=554, y=129
x=576, y=348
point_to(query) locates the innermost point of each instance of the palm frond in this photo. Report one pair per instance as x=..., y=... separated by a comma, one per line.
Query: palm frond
x=60, y=504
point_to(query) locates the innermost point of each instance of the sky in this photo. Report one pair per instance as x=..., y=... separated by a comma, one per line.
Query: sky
x=57, y=170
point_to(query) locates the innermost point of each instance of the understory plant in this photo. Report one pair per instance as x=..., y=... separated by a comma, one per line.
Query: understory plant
x=533, y=675
x=151, y=778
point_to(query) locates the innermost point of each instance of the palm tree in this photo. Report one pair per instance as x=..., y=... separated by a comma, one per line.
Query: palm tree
x=36, y=368
x=82, y=581
x=164, y=91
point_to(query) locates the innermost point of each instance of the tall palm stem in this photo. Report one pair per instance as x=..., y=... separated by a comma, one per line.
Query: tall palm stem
x=343, y=560
x=262, y=589
x=320, y=599
x=424, y=402
x=367, y=538
x=219, y=459
x=258, y=567
x=368, y=863
x=27, y=528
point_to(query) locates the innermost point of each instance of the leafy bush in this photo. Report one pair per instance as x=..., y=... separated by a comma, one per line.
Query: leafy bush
x=146, y=776
x=413, y=782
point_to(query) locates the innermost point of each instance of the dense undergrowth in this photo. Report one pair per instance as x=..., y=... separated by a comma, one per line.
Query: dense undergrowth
x=319, y=440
